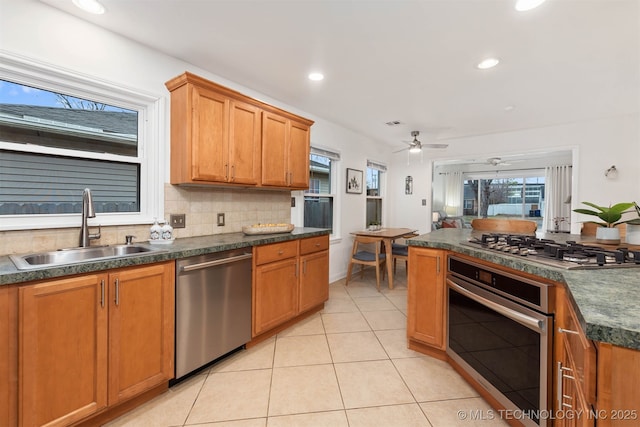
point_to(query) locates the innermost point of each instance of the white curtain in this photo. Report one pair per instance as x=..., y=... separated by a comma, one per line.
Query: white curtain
x=557, y=211
x=453, y=185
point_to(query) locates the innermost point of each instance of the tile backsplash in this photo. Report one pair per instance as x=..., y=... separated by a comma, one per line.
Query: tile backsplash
x=201, y=206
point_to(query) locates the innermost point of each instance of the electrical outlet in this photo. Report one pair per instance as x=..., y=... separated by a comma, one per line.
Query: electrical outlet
x=220, y=219
x=178, y=220
x=293, y=202
x=424, y=202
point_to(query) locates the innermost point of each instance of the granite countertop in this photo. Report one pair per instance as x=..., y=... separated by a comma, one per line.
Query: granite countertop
x=607, y=301
x=180, y=248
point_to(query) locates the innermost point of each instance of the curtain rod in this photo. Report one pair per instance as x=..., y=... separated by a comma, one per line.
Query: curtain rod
x=503, y=170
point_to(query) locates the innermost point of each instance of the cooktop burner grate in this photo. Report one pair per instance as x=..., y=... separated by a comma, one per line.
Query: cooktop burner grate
x=569, y=254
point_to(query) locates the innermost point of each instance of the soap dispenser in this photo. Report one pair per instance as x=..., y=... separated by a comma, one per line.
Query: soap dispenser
x=155, y=233
x=167, y=231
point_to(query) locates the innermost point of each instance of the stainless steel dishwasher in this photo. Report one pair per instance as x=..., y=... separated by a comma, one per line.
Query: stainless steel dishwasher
x=213, y=307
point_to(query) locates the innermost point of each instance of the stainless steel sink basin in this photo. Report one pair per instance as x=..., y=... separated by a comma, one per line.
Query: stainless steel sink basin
x=75, y=255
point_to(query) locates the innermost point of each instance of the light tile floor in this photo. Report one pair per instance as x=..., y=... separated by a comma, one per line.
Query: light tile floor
x=347, y=366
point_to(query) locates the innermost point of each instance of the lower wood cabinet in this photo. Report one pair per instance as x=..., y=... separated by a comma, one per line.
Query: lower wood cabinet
x=426, y=297
x=8, y=356
x=92, y=341
x=289, y=278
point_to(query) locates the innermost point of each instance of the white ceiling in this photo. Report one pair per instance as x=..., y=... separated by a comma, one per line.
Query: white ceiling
x=411, y=61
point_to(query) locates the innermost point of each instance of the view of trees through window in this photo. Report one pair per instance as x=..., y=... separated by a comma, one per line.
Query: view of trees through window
x=516, y=197
x=55, y=145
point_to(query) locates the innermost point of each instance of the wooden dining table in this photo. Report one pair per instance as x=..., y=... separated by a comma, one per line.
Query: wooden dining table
x=387, y=235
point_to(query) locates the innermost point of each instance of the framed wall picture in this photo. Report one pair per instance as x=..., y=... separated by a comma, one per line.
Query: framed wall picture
x=354, y=181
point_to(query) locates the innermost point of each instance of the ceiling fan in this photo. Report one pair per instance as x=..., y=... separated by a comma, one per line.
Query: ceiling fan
x=497, y=161
x=416, y=146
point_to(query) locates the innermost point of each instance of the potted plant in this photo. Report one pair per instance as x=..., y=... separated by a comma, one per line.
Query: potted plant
x=610, y=217
x=633, y=228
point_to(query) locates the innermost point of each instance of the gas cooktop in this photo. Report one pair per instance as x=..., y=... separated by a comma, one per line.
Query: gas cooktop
x=568, y=255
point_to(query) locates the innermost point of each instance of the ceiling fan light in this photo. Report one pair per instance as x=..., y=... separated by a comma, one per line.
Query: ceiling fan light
x=488, y=63
x=415, y=149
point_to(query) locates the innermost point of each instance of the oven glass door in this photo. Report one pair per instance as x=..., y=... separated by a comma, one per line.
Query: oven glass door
x=503, y=345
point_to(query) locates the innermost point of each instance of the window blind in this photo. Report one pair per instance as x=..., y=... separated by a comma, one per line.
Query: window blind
x=377, y=166
x=326, y=153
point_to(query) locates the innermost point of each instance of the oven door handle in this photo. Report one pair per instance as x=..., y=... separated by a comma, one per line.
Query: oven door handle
x=530, y=322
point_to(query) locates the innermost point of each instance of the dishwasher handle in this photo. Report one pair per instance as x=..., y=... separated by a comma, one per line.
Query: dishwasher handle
x=214, y=263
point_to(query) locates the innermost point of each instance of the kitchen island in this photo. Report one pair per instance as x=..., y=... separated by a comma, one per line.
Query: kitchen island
x=607, y=301
x=587, y=353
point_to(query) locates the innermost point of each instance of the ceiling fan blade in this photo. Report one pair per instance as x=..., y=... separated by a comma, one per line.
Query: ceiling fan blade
x=435, y=145
x=404, y=149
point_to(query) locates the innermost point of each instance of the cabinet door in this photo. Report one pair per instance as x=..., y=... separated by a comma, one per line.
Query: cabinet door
x=63, y=350
x=426, y=297
x=141, y=326
x=275, y=134
x=275, y=294
x=299, y=155
x=8, y=355
x=244, y=143
x=314, y=280
x=569, y=397
x=210, y=149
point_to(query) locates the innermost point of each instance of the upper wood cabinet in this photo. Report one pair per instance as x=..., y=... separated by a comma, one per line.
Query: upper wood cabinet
x=221, y=137
x=285, y=152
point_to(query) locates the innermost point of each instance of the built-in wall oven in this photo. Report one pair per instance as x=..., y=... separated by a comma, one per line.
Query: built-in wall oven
x=500, y=331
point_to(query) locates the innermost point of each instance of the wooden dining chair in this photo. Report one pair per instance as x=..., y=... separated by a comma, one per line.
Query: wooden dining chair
x=400, y=251
x=367, y=251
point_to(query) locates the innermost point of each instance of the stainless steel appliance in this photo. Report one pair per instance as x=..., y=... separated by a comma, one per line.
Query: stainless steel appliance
x=213, y=307
x=500, y=332
x=568, y=254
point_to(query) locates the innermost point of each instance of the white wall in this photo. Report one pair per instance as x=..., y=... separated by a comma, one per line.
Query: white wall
x=597, y=145
x=38, y=32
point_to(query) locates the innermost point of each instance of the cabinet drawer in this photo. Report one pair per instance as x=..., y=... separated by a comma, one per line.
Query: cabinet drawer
x=276, y=251
x=314, y=244
x=581, y=350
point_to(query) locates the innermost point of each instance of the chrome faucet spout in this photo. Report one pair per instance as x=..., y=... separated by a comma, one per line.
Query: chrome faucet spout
x=87, y=212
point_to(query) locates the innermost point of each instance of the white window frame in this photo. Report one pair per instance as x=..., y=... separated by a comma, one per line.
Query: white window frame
x=150, y=110
x=297, y=213
x=373, y=164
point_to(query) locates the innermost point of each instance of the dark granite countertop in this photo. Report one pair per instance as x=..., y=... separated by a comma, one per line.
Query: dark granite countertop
x=607, y=301
x=180, y=248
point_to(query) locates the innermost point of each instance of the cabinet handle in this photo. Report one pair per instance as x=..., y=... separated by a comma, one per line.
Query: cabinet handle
x=304, y=267
x=280, y=252
x=568, y=331
x=117, y=300
x=102, y=293
x=233, y=172
x=559, y=391
x=317, y=245
x=226, y=171
x=438, y=264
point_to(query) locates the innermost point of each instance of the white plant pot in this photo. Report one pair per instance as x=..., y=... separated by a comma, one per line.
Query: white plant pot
x=608, y=236
x=633, y=234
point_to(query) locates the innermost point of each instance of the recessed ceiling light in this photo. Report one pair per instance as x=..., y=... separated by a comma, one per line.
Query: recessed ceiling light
x=488, y=63
x=523, y=5
x=91, y=6
x=316, y=77
x=509, y=108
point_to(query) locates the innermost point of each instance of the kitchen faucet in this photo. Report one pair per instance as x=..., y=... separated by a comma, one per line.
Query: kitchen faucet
x=87, y=212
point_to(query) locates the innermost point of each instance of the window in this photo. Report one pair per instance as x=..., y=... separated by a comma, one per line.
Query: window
x=515, y=196
x=319, y=199
x=375, y=174
x=60, y=134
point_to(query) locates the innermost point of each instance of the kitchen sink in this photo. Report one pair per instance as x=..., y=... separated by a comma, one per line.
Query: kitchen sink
x=75, y=255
